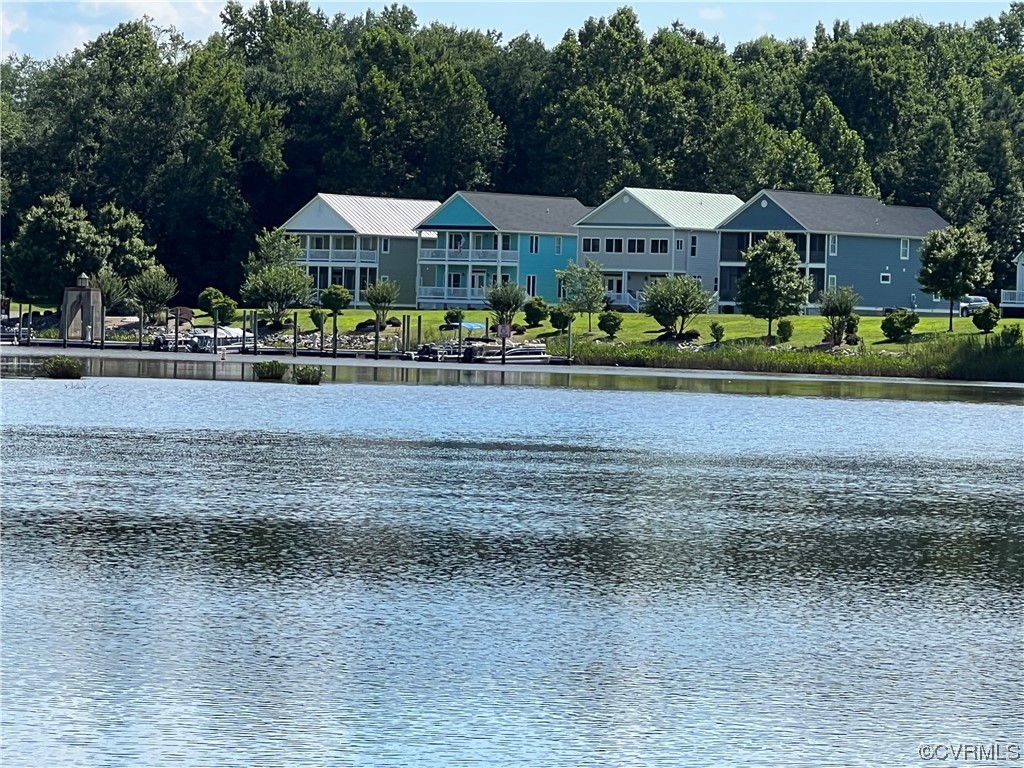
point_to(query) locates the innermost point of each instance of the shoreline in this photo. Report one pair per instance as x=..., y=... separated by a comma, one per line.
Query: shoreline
x=236, y=360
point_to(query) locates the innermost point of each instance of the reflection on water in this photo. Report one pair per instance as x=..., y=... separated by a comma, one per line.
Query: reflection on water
x=239, y=369
x=202, y=574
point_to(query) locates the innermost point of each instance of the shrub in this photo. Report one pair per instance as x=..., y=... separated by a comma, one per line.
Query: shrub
x=986, y=318
x=454, y=316
x=899, y=324
x=610, y=323
x=319, y=317
x=852, y=323
x=690, y=334
x=536, y=311
x=785, y=330
x=307, y=374
x=1010, y=335
x=62, y=367
x=717, y=331
x=211, y=299
x=560, y=317
x=269, y=370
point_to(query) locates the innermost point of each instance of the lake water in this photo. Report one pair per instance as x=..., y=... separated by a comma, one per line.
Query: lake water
x=238, y=574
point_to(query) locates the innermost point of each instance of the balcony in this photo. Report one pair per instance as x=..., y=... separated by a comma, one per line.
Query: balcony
x=442, y=294
x=323, y=257
x=1012, y=299
x=466, y=256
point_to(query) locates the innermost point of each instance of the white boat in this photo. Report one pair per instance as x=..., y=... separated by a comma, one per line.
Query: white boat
x=520, y=355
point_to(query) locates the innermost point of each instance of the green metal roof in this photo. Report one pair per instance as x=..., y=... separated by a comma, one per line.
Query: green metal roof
x=687, y=210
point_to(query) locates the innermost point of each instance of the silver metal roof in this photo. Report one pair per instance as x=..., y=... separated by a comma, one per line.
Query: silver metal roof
x=381, y=216
x=687, y=210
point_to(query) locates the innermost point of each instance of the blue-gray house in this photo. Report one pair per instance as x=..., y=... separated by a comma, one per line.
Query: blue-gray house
x=484, y=238
x=842, y=240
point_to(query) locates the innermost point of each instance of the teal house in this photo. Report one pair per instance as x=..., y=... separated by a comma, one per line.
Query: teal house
x=486, y=238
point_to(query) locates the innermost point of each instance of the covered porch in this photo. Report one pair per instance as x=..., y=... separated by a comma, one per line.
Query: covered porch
x=443, y=285
x=1011, y=302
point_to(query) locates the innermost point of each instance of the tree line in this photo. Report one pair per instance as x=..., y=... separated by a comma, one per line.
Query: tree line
x=199, y=146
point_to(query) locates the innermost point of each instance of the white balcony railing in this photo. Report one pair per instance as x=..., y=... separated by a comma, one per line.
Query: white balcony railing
x=465, y=256
x=324, y=256
x=440, y=293
x=1012, y=298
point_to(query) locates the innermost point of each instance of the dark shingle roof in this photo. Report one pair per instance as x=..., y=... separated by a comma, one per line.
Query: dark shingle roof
x=528, y=213
x=856, y=215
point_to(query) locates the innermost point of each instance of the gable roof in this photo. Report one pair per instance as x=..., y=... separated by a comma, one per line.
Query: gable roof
x=681, y=209
x=850, y=214
x=525, y=213
x=379, y=216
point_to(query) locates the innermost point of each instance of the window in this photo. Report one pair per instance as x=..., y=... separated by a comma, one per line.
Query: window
x=454, y=279
x=613, y=284
x=936, y=298
x=318, y=243
x=905, y=249
x=885, y=278
x=534, y=243
x=558, y=246
x=833, y=245
x=591, y=244
x=831, y=282
x=384, y=278
x=454, y=241
x=659, y=246
x=693, y=245
x=506, y=242
x=531, y=285
x=635, y=245
x=613, y=245
x=716, y=284
x=561, y=288
x=385, y=245
x=679, y=246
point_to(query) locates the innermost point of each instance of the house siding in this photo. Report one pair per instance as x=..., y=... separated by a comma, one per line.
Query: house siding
x=399, y=264
x=544, y=263
x=705, y=263
x=639, y=262
x=620, y=213
x=316, y=216
x=859, y=261
x=454, y=214
x=754, y=218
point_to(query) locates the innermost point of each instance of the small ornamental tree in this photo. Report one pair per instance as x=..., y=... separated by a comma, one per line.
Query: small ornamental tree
x=276, y=288
x=213, y=300
x=152, y=290
x=717, y=331
x=785, y=330
x=836, y=306
x=954, y=262
x=772, y=286
x=584, y=289
x=504, y=301
x=454, y=316
x=675, y=301
x=986, y=318
x=381, y=297
x=335, y=299
x=610, y=323
x=536, y=311
x=112, y=289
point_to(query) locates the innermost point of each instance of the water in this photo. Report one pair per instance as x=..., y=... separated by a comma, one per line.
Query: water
x=239, y=574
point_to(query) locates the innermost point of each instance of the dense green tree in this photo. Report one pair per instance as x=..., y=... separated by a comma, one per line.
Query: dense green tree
x=273, y=247
x=113, y=289
x=772, y=286
x=840, y=148
x=128, y=252
x=504, y=300
x=954, y=262
x=583, y=289
x=675, y=301
x=152, y=290
x=277, y=288
x=55, y=244
x=218, y=305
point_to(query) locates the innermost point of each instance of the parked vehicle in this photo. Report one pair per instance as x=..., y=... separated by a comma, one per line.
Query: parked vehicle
x=971, y=304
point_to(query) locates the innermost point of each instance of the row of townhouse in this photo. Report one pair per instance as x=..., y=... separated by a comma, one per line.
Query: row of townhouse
x=447, y=254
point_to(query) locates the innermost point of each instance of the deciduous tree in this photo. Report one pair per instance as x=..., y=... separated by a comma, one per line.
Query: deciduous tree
x=675, y=301
x=583, y=288
x=954, y=262
x=772, y=286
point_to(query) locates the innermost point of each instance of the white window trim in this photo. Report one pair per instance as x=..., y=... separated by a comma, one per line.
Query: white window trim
x=832, y=246
x=558, y=246
x=885, y=278
x=905, y=249
x=534, y=244
x=680, y=245
x=531, y=285
x=831, y=282
x=385, y=245
x=693, y=246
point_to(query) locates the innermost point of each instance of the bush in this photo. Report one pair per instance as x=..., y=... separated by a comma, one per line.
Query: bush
x=986, y=318
x=319, y=317
x=560, y=317
x=211, y=299
x=307, y=374
x=717, y=331
x=1010, y=335
x=852, y=323
x=785, y=329
x=454, y=316
x=610, y=323
x=899, y=324
x=690, y=334
x=536, y=311
x=269, y=370
x=62, y=367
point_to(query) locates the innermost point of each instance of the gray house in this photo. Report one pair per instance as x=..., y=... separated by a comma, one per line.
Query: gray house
x=355, y=241
x=639, y=235
x=842, y=240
